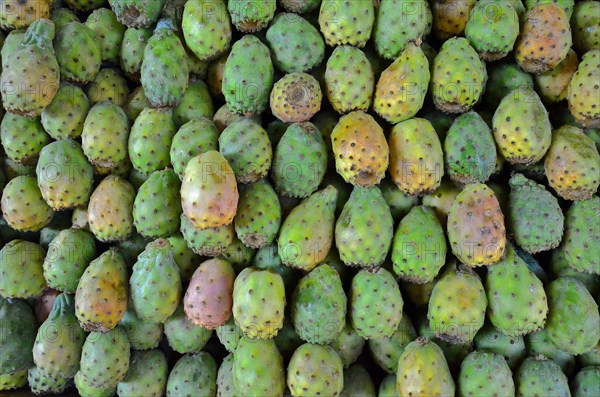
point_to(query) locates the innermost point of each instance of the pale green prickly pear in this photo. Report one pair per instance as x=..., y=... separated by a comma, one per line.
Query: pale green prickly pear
x=258, y=217
x=21, y=272
x=538, y=376
x=484, y=373
x=206, y=27
x=315, y=370
x=147, y=375
x=65, y=116
x=492, y=29
x=258, y=368
x=132, y=51
x=112, y=350
x=77, y=52
x=138, y=13
x=23, y=138
x=150, y=140
x=183, y=335
x=110, y=209
x=142, y=335
x=582, y=233
x=23, y=207
x=42, y=383
x=109, y=33
x=387, y=351
x=19, y=333
x=193, y=138
x=345, y=22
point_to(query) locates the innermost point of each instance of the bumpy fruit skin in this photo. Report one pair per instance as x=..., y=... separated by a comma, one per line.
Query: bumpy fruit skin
x=105, y=134
x=59, y=340
x=476, y=226
x=315, y=370
x=23, y=138
x=553, y=85
x=348, y=345
x=150, y=140
x=206, y=27
x=101, y=296
x=109, y=85
x=258, y=368
x=512, y=348
x=458, y=85
x=364, y=229
x=248, y=77
x=492, y=29
x=582, y=90
x=398, y=202
x=522, y=128
x=540, y=343
x=147, y=375
x=19, y=330
x=157, y=205
x=398, y=23
x=566, y=5
x=225, y=385
x=109, y=33
x=296, y=45
x=251, y=15
x=538, y=376
x=296, y=97
x=559, y=267
x=504, y=78
x=23, y=207
x=416, y=158
x=516, y=296
x=544, y=40
x=86, y=389
x=209, y=194
x=299, y=161
x=360, y=149
x=110, y=209
x=450, y=17
x=141, y=335
x=586, y=382
x=196, y=103
x=585, y=25
x=23, y=13
x=469, y=149
x=64, y=175
x=64, y=117
x=137, y=13
x=258, y=217
x=77, y=52
x=183, y=335
x=387, y=387
x=132, y=51
x=69, y=253
x=582, y=235
x=13, y=380
x=165, y=73
x=306, y=235
x=207, y=242
x=209, y=296
x=419, y=248
x=155, y=283
x=485, y=373
x=358, y=382
x=247, y=148
x=31, y=68
x=193, y=138
x=349, y=80
x=535, y=216
x=229, y=334
x=112, y=350
x=572, y=164
x=375, y=304
x=343, y=22
x=41, y=383
x=318, y=306
x=401, y=89
x=423, y=371
x=573, y=321
x=259, y=303
x=457, y=305
x=21, y=273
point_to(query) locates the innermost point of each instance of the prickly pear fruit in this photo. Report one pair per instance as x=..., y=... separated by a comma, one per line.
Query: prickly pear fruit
x=138, y=13
x=209, y=296
x=109, y=33
x=30, y=76
x=423, y=370
x=492, y=29
x=207, y=242
x=360, y=149
x=553, y=85
x=342, y=22
x=258, y=368
x=572, y=164
x=485, y=373
x=42, y=383
x=296, y=97
x=416, y=158
x=23, y=207
x=101, y=297
x=258, y=217
x=65, y=115
x=318, y=320
x=77, y=52
x=476, y=226
x=150, y=140
x=401, y=89
x=86, y=389
x=59, y=340
x=516, y=296
x=157, y=205
x=387, y=351
x=109, y=85
x=348, y=345
x=504, y=78
x=306, y=234
x=469, y=149
x=142, y=335
x=64, y=175
x=538, y=376
x=582, y=233
x=193, y=138
x=147, y=375
x=315, y=370
x=132, y=51
x=13, y=380
x=183, y=335
x=586, y=382
x=19, y=332
x=457, y=305
x=584, y=23
x=450, y=17
x=193, y=375
x=582, y=90
x=206, y=27
x=209, y=194
x=544, y=40
x=573, y=319
x=22, y=138
x=540, y=343
x=155, y=283
x=110, y=209
x=225, y=385
x=112, y=350
x=251, y=15
x=535, y=216
x=457, y=86
x=364, y=229
x=21, y=272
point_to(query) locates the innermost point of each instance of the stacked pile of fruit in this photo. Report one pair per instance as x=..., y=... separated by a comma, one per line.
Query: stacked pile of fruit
x=300, y=197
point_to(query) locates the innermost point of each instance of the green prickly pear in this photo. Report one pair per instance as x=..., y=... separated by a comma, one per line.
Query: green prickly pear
x=258, y=217
x=150, y=140
x=206, y=27
x=147, y=375
x=21, y=272
x=77, y=52
x=193, y=138
x=65, y=116
x=23, y=138
x=110, y=209
x=112, y=350
x=538, y=376
x=19, y=332
x=484, y=373
x=315, y=370
x=23, y=207
x=183, y=335
x=582, y=233
x=138, y=13
x=345, y=22
x=258, y=368
x=387, y=351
